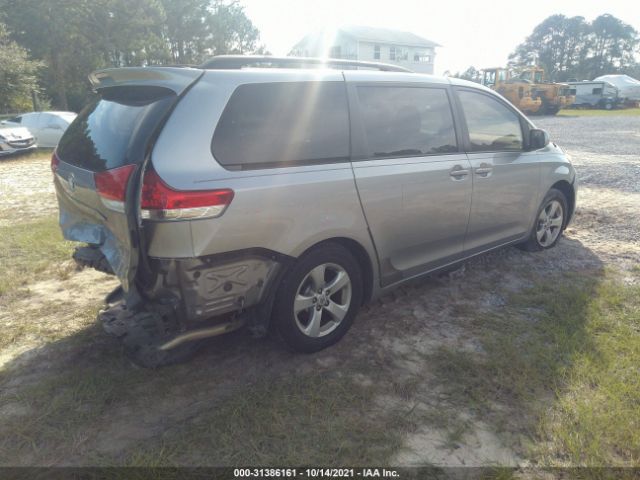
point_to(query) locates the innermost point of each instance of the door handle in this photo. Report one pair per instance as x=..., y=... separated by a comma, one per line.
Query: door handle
x=484, y=170
x=458, y=173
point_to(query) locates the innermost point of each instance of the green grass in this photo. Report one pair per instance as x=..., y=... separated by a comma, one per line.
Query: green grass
x=596, y=420
x=316, y=419
x=27, y=250
x=558, y=367
x=563, y=373
x=65, y=405
x=575, y=112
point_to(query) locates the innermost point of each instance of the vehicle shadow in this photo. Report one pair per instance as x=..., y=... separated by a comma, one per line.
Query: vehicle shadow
x=444, y=352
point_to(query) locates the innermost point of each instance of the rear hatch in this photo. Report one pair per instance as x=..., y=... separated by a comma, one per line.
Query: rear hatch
x=99, y=161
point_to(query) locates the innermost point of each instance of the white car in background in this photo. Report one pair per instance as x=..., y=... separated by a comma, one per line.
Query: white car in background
x=46, y=127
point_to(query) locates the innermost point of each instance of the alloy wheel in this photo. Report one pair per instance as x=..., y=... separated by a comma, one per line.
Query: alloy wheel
x=322, y=300
x=549, y=223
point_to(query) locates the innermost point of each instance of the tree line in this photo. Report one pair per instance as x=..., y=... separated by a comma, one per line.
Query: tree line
x=47, y=48
x=51, y=46
x=572, y=48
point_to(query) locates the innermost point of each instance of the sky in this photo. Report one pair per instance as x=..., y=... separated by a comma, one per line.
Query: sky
x=481, y=33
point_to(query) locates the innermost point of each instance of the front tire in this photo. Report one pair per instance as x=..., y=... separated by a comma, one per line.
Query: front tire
x=318, y=298
x=550, y=221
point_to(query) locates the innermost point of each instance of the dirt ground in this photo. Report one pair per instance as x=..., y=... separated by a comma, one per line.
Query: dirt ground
x=405, y=404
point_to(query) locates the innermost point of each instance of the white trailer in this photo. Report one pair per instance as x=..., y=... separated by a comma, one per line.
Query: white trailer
x=628, y=87
x=596, y=94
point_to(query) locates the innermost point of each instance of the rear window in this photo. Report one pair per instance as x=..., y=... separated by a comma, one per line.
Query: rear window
x=105, y=133
x=288, y=123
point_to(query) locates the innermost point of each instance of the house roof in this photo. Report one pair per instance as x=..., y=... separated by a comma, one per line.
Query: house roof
x=386, y=35
x=371, y=34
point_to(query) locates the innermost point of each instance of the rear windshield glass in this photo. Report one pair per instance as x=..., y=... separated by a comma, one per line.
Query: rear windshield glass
x=288, y=123
x=103, y=135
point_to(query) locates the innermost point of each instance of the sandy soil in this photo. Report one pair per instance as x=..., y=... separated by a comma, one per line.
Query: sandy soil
x=26, y=189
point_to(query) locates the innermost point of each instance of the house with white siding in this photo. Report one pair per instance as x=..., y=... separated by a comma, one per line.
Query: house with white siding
x=370, y=44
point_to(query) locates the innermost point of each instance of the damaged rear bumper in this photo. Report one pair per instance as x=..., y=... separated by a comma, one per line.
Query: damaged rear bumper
x=187, y=300
x=201, y=288
x=214, y=285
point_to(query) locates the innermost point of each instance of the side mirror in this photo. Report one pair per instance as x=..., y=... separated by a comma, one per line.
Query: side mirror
x=538, y=138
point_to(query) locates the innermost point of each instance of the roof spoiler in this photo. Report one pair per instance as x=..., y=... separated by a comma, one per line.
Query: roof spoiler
x=173, y=78
x=236, y=62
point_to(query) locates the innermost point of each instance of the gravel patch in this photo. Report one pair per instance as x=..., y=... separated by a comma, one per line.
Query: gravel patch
x=604, y=150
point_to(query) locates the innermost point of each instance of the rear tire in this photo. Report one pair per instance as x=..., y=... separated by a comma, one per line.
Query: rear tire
x=551, y=218
x=318, y=298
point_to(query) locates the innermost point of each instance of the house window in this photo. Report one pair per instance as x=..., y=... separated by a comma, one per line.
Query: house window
x=392, y=53
x=421, y=58
x=335, y=52
x=376, y=52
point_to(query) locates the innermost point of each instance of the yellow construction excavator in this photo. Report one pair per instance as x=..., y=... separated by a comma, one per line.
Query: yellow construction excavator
x=519, y=92
x=554, y=96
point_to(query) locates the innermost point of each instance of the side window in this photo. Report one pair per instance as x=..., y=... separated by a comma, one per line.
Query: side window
x=56, y=122
x=48, y=120
x=406, y=121
x=597, y=91
x=31, y=120
x=271, y=124
x=492, y=126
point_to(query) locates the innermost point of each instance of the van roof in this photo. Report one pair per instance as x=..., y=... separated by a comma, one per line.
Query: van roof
x=178, y=78
x=236, y=62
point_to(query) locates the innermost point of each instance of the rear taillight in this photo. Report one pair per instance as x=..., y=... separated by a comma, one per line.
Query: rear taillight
x=55, y=161
x=111, y=185
x=161, y=202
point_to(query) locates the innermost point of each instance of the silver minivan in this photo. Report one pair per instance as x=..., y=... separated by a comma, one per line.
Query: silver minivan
x=282, y=194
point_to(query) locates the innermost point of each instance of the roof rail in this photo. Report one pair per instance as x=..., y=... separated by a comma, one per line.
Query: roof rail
x=236, y=62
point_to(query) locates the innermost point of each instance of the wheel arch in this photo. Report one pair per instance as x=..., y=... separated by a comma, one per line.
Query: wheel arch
x=570, y=194
x=360, y=254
